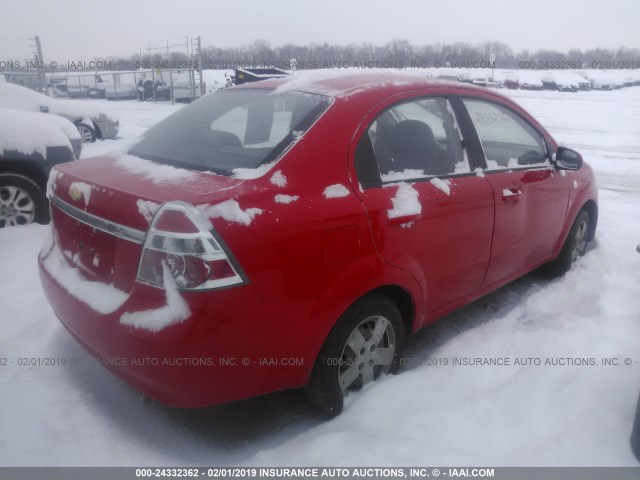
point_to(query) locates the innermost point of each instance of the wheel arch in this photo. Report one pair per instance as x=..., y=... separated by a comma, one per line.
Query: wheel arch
x=402, y=299
x=33, y=171
x=591, y=208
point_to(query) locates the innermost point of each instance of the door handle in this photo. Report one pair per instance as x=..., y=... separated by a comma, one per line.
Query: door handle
x=405, y=219
x=511, y=195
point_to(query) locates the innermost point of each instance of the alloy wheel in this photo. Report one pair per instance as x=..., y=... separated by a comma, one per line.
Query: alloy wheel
x=17, y=207
x=368, y=353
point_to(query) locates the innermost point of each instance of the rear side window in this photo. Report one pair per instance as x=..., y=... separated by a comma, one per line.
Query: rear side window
x=507, y=139
x=415, y=139
x=231, y=129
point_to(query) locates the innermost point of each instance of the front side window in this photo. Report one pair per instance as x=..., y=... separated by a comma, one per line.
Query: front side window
x=508, y=140
x=231, y=129
x=416, y=139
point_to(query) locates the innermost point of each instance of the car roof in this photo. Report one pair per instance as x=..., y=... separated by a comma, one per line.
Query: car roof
x=29, y=132
x=349, y=83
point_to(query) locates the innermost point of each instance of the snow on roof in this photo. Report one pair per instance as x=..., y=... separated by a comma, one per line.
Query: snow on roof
x=28, y=132
x=530, y=77
x=344, y=82
x=16, y=96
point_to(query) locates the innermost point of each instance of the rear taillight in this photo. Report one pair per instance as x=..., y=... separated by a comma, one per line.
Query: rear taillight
x=180, y=240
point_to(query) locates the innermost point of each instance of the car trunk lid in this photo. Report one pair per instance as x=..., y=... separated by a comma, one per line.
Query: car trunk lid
x=101, y=209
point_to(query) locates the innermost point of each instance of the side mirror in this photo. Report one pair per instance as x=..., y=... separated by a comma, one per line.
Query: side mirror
x=44, y=109
x=567, y=159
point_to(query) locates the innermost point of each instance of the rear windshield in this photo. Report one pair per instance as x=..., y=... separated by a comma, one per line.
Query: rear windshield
x=231, y=129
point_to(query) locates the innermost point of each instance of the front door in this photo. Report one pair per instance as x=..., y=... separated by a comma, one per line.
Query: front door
x=531, y=198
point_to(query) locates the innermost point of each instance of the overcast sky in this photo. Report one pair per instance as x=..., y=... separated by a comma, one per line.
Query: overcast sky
x=83, y=29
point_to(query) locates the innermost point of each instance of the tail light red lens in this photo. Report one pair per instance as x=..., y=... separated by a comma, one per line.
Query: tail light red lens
x=181, y=240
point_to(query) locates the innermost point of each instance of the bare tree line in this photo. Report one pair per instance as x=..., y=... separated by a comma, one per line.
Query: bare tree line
x=397, y=53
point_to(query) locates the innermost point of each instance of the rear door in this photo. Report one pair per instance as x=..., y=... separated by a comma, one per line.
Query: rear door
x=531, y=198
x=430, y=213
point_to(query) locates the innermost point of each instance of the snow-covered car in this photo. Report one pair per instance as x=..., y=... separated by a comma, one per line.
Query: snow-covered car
x=603, y=81
x=565, y=82
x=529, y=80
x=290, y=232
x=474, y=77
x=30, y=145
x=90, y=118
x=635, y=432
x=120, y=91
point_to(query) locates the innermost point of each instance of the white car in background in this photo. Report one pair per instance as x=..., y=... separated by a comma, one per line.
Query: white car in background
x=603, y=81
x=565, y=82
x=90, y=118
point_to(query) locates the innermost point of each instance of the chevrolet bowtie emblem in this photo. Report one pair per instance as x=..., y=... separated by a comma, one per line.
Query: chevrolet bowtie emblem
x=75, y=193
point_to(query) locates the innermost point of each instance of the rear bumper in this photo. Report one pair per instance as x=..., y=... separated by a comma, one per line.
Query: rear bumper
x=234, y=344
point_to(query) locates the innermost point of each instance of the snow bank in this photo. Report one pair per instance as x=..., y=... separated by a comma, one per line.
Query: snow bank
x=230, y=211
x=155, y=172
x=336, y=191
x=405, y=202
x=175, y=311
x=98, y=296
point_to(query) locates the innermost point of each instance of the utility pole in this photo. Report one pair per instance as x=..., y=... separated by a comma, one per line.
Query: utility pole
x=153, y=77
x=200, y=66
x=42, y=78
x=170, y=72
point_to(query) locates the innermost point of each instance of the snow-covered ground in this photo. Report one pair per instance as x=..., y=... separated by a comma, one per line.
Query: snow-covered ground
x=430, y=414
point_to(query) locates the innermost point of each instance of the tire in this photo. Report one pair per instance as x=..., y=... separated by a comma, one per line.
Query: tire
x=574, y=246
x=350, y=356
x=87, y=133
x=21, y=201
x=635, y=432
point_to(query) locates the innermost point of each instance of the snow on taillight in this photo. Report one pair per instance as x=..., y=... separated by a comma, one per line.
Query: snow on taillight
x=181, y=241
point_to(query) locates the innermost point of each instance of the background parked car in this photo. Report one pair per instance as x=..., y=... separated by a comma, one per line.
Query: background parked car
x=91, y=119
x=635, y=432
x=565, y=82
x=603, y=81
x=111, y=91
x=30, y=145
x=529, y=81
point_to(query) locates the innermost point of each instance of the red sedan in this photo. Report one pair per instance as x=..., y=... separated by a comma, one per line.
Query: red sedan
x=291, y=233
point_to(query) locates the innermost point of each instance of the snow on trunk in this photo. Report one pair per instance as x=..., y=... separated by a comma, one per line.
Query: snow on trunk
x=230, y=211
